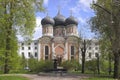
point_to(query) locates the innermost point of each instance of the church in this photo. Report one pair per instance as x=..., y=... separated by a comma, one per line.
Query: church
x=60, y=39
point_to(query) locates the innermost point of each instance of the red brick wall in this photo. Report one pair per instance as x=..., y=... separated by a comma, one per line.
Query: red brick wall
x=59, y=50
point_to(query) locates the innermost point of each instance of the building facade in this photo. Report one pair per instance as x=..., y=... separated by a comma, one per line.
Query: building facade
x=28, y=49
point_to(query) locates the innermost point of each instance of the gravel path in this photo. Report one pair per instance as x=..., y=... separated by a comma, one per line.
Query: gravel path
x=37, y=77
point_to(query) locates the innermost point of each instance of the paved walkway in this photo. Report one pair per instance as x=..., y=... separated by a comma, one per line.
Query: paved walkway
x=37, y=77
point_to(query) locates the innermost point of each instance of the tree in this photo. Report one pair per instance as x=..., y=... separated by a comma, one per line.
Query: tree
x=83, y=52
x=106, y=52
x=85, y=44
x=106, y=23
x=16, y=17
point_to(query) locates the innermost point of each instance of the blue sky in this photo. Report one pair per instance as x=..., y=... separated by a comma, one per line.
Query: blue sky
x=80, y=9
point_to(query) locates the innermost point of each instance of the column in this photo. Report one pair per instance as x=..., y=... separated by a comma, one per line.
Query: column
x=53, y=50
x=39, y=51
x=66, y=51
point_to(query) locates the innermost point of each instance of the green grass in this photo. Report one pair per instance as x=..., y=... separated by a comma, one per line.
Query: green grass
x=98, y=78
x=12, y=78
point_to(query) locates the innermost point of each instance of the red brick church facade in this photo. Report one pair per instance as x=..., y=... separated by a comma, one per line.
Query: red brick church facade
x=60, y=38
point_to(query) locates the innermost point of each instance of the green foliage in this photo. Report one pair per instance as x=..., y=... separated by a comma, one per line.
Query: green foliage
x=104, y=66
x=20, y=67
x=107, y=24
x=12, y=78
x=91, y=65
x=71, y=65
x=45, y=65
x=39, y=66
x=16, y=17
x=33, y=64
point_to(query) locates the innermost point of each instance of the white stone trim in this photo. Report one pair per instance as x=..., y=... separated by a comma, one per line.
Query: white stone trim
x=39, y=51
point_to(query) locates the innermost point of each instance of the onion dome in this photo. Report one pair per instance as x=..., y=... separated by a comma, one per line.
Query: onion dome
x=71, y=20
x=59, y=19
x=47, y=20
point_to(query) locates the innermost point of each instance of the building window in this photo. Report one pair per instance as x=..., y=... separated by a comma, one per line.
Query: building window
x=29, y=43
x=29, y=54
x=23, y=54
x=35, y=43
x=96, y=43
x=46, y=52
x=36, y=54
x=46, y=57
x=89, y=48
x=46, y=30
x=72, y=52
x=89, y=55
x=96, y=54
x=29, y=48
x=96, y=48
x=90, y=43
x=22, y=44
x=22, y=48
x=35, y=47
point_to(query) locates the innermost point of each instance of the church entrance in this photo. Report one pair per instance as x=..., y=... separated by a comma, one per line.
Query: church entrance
x=59, y=51
x=59, y=59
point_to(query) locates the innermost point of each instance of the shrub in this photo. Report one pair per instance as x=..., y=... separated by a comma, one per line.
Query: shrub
x=33, y=64
x=19, y=66
x=91, y=65
x=105, y=66
x=40, y=66
x=45, y=65
x=71, y=65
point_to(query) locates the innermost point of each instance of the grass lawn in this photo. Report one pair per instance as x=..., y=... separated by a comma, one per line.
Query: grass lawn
x=99, y=78
x=12, y=78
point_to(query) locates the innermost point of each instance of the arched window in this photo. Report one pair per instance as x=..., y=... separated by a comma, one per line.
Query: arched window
x=72, y=52
x=46, y=52
x=47, y=30
x=70, y=30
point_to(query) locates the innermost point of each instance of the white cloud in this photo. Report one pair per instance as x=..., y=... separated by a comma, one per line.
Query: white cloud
x=82, y=5
x=45, y=2
x=64, y=3
x=80, y=10
x=81, y=20
x=85, y=3
x=38, y=21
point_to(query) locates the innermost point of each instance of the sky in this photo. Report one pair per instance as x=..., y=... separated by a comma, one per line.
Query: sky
x=79, y=8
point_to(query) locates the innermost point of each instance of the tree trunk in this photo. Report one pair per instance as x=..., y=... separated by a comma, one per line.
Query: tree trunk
x=7, y=53
x=110, y=68
x=98, y=64
x=8, y=49
x=8, y=37
x=116, y=65
x=83, y=56
x=83, y=62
